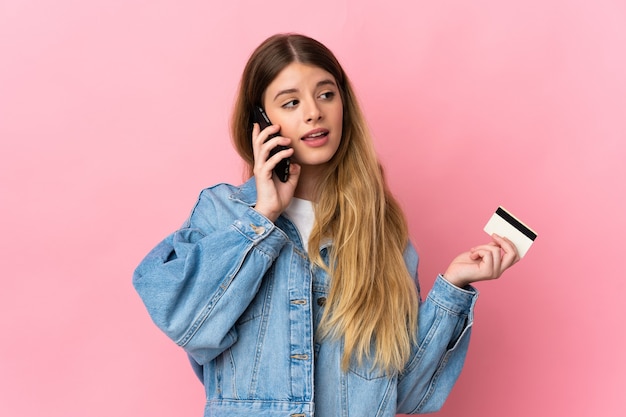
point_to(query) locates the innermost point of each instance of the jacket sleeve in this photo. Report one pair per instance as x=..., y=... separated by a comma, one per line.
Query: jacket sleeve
x=197, y=282
x=445, y=322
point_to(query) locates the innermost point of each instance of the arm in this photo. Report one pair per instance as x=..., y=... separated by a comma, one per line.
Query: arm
x=199, y=280
x=445, y=321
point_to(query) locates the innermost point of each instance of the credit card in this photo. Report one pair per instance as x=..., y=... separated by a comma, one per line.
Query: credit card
x=505, y=224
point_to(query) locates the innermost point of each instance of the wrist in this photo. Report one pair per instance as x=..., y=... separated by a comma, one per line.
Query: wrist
x=269, y=214
x=456, y=281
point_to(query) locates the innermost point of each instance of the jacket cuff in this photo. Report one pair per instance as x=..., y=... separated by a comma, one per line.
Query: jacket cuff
x=261, y=232
x=457, y=300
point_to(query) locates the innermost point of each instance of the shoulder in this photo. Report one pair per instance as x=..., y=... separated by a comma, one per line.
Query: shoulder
x=218, y=191
x=244, y=193
x=221, y=202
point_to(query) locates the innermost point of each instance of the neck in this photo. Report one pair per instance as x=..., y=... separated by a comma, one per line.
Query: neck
x=307, y=183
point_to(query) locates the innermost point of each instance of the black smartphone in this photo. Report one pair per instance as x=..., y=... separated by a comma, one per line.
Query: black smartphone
x=282, y=169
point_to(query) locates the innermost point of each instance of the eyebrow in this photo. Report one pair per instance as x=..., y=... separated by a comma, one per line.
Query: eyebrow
x=295, y=90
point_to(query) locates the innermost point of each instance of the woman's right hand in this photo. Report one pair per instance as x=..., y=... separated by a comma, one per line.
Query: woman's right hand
x=273, y=196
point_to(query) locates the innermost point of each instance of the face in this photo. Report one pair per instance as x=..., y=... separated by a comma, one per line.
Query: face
x=305, y=101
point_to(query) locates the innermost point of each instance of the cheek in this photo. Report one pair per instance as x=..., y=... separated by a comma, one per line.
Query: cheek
x=339, y=121
x=286, y=123
x=289, y=129
x=339, y=114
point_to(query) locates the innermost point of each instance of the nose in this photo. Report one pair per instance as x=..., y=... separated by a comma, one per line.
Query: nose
x=312, y=112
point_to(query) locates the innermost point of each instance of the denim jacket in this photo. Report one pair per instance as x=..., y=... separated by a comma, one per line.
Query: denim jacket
x=240, y=295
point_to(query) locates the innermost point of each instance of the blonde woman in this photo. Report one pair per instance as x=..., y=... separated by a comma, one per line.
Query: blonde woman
x=298, y=296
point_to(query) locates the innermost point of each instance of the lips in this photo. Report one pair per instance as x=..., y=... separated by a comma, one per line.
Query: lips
x=315, y=134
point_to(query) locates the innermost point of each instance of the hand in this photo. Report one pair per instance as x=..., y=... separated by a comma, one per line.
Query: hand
x=482, y=262
x=273, y=196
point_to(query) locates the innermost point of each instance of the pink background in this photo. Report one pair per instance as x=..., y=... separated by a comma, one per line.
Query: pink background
x=113, y=116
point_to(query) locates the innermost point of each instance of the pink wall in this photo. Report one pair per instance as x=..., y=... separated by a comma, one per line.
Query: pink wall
x=113, y=115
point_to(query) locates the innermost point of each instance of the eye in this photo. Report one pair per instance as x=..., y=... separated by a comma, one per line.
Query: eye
x=290, y=104
x=328, y=95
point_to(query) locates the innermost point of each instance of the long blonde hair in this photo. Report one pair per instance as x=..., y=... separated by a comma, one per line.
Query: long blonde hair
x=372, y=302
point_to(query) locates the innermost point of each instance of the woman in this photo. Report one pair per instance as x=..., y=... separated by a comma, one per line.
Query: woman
x=301, y=297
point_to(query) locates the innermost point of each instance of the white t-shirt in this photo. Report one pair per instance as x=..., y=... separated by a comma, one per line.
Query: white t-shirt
x=301, y=213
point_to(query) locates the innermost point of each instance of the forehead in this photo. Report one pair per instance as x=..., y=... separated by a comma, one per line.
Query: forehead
x=299, y=76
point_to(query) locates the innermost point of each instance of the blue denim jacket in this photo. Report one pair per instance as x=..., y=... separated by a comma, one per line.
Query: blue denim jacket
x=239, y=294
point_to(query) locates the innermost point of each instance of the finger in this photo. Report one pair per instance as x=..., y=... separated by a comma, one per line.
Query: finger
x=259, y=137
x=294, y=173
x=490, y=261
x=279, y=156
x=256, y=130
x=492, y=243
x=263, y=163
x=263, y=135
x=486, y=246
x=487, y=264
x=277, y=141
x=510, y=254
x=498, y=242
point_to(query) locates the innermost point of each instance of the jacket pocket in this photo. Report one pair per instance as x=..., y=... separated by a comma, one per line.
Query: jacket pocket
x=366, y=370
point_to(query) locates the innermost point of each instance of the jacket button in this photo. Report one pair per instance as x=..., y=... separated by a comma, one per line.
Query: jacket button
x=321, y=301
x=259, y=230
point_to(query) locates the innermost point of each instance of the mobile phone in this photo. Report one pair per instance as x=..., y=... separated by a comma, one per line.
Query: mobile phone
x=282, y=169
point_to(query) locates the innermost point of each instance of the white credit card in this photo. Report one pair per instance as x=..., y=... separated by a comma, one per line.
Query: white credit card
x=505, y=224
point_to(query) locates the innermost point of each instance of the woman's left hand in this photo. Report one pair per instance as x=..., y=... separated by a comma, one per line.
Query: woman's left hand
x=482, y=262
